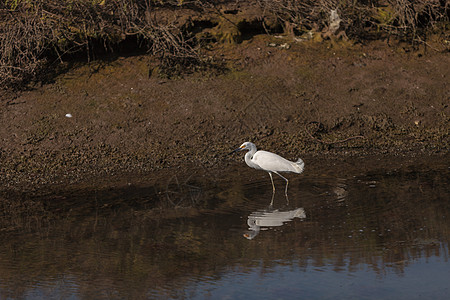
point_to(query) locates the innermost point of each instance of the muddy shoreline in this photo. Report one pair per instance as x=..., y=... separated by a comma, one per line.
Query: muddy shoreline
x=318, y=100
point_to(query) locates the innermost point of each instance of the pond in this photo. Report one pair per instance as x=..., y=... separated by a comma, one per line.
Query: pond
x=379, y=234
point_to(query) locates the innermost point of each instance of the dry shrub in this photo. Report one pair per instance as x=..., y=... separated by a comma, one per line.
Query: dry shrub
x=34, y=33
x=22, y=44
x=31, y=31
x=415, y=17
x=362, y=18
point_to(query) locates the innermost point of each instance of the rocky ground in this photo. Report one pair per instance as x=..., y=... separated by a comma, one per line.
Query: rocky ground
x=311, y=99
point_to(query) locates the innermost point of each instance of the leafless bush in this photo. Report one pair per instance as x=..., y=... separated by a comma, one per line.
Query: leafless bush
x=22, y=43
x=30, y=31
x=361, y=18
x=415, y=17
x=34, y=33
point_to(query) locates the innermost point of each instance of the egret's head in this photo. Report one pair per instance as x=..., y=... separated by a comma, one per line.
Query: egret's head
x=244, y=146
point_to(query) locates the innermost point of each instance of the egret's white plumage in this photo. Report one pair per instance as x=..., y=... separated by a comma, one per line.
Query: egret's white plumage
x=270, y=162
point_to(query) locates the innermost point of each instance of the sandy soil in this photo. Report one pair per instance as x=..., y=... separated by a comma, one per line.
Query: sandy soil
x=322, y=99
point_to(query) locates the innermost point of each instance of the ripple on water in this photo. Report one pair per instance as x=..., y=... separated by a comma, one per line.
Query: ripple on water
x=335, y=238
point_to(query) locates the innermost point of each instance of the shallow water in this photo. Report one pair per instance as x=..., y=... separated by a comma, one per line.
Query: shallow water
x=378, y=235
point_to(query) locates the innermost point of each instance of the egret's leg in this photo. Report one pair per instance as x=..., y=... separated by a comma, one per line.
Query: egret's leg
x=271, y=202
x=273, y=185
x=287, y=182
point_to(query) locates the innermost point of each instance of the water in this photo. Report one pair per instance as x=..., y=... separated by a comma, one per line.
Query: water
x=373, y=235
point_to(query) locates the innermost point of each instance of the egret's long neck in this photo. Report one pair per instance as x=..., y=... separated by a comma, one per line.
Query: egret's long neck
x=249, y=156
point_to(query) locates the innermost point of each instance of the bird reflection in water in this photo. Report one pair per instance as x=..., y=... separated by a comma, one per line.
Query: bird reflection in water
x=264, y=219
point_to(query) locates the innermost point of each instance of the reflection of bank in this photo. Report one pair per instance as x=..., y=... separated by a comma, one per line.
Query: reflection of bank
x=264, y=219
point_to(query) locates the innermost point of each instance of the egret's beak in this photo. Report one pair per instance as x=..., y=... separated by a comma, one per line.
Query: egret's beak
x=235, y=150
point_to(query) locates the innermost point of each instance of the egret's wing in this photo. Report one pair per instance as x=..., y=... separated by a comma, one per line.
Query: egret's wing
x=269, y=161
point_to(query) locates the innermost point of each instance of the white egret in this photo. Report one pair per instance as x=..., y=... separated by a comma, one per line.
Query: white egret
x=270, y=162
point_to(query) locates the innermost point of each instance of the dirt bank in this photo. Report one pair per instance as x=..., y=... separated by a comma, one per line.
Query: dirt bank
x=311, y=99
